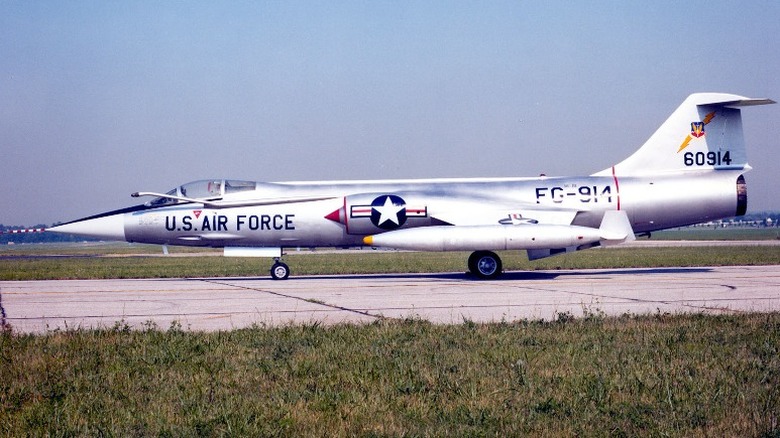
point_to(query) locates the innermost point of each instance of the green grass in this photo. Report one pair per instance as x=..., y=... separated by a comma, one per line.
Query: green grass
x=657, y=375
x=367, y=261
x=95, y=249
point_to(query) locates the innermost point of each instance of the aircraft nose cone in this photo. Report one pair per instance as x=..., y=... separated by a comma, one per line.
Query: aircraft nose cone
x=111, y=227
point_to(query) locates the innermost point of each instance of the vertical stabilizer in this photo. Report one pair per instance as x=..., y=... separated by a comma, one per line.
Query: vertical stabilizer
x=704, y=133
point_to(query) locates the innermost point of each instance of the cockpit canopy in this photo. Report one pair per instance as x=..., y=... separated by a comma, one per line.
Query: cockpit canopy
x=207, y=189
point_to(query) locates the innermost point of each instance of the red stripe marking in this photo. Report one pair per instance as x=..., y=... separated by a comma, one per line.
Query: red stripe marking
x=617, y=187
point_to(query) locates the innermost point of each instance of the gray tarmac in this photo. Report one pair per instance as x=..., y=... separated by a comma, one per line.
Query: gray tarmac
x=211, y=304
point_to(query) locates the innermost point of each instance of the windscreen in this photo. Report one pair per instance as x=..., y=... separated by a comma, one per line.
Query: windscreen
x=206, y=189
x=163, y=201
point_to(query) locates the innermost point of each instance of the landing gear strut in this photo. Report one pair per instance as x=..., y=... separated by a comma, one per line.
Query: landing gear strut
x=485, y=264
x=279, y=271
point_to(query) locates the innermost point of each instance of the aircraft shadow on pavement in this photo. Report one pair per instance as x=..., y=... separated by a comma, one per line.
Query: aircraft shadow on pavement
x=506, y=276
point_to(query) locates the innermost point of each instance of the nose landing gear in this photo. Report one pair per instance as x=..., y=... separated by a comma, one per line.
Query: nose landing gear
x=280, y=270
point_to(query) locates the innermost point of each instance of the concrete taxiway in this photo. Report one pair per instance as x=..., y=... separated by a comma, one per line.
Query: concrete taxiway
x=229, y=303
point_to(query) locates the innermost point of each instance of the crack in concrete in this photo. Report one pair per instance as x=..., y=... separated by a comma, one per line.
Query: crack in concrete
x=306, y=300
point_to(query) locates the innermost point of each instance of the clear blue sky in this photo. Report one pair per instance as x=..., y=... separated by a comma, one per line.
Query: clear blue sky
x=101, y=99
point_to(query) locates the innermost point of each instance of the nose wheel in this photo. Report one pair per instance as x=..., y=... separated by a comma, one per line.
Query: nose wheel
x=485, y=264
x=280, y=270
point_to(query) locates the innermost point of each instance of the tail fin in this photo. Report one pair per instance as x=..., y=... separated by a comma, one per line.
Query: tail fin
x=705, y=132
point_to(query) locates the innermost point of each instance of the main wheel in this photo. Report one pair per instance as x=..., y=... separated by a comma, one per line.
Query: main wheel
x=280, y=271
x=485, y=264
x=472, y=263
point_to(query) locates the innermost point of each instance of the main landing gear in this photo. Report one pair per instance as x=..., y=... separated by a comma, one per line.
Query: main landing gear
x=280, y=270
x=485, y=264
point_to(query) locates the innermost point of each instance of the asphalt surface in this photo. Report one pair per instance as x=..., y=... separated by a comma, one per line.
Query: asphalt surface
x=227, y=303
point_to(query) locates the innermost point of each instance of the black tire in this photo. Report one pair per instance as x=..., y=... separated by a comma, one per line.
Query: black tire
x=485, y=264
x=472, y=263
x=280, y=271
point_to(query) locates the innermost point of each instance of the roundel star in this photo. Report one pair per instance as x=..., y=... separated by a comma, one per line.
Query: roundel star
x=390, y=211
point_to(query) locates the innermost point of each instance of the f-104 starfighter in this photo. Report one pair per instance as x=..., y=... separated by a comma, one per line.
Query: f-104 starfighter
x=689, y=171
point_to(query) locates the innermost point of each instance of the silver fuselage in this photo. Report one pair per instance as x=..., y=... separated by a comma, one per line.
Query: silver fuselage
x=651, y=203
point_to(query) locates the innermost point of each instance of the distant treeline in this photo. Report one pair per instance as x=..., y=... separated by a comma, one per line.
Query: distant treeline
x=761, y=218
x=37, y=237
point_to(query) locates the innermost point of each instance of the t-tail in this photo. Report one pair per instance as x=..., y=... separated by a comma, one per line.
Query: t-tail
x=691, y=169
x=704, y=133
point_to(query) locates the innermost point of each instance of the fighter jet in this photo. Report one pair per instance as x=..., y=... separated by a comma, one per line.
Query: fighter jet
x=689, y=171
